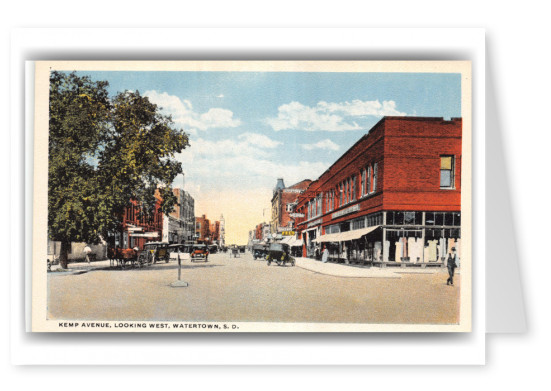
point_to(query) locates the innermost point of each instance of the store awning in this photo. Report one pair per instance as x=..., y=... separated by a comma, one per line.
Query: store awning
x=345, y=236
x=296, y=243
x=287, y=239
x=145, y=235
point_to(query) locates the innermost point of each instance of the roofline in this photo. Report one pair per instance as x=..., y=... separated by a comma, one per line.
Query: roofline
x=385, y=118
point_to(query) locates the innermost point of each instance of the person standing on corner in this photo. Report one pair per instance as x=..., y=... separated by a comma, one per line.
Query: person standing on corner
x=87, y=250
x=452, y=264
x=325, y=255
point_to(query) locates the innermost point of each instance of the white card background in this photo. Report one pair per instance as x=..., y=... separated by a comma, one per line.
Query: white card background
x=378, y=349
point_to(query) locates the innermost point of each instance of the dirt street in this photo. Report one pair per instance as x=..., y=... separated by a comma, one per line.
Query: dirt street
x=240, y=289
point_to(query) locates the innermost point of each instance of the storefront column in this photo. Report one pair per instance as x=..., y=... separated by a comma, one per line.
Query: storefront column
x=383, y=252
x=423, y=237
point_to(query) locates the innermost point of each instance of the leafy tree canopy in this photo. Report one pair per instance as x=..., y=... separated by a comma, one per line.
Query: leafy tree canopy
x=103, y=152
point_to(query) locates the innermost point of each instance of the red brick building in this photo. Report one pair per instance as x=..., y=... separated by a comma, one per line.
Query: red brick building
x=139, y=228
x=215, y=232
x=393, y=197
x=202, y=229
x=283, y=203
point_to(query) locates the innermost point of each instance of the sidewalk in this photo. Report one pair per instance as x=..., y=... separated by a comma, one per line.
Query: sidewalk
x=342, y=270
x=338, y=270
x=82, y=267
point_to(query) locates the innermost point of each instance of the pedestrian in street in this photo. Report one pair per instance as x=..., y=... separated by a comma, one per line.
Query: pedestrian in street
x=452, y=264
x=325, y=255
x=87, y=250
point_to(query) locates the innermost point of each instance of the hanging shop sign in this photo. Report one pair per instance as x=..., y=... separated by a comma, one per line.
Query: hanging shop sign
x=295, y=215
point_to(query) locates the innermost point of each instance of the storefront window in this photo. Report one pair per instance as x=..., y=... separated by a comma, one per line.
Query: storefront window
x=358, y=223
x=429, y=218
x=398, y=218
x=438, y=218
x=457, y=219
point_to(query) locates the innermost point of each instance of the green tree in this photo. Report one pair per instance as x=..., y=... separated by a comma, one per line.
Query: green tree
x=102, y=153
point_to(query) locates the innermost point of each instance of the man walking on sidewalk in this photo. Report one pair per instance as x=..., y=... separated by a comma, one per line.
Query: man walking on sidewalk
x=87, y=250
x=452, y=264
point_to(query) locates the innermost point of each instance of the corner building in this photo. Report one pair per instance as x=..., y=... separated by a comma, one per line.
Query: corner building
x=394, y=198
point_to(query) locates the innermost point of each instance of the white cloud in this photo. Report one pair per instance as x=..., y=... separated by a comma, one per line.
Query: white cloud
x=220, y=96
x=329, y=116
x=259, y=140
x=323, y=144
x=250, y=144
x=185, y=117
x=249, y=158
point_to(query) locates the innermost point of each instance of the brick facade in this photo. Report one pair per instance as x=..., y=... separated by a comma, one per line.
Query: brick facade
x=283, y=201
x=405, y=168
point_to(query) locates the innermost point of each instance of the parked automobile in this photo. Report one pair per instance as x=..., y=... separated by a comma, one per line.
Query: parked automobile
x=183, y=249
x=200, y=251
x=280, y=254
x=259, y=251
x=156, y=252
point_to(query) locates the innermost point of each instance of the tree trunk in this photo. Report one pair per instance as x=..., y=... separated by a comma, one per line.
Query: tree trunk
x=64, y=254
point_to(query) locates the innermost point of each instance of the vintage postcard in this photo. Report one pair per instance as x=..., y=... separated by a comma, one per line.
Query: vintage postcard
x=252, y=196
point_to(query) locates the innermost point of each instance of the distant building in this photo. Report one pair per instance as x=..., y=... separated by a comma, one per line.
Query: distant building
x=202, y=229
x=222, y=231
x=138, y=227
x=179, y=225
x=187, y=214
x=284, y=200
x=215, y=232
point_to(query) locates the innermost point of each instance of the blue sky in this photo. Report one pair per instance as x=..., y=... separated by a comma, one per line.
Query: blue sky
x=249, y=128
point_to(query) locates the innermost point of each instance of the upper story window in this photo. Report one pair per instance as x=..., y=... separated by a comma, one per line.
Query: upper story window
x=446, y=172
x=362, y=182
x=369, y=180
x=375, y=169
x=319, y=204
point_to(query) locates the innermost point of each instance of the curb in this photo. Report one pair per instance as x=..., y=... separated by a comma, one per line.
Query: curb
x=346, y=272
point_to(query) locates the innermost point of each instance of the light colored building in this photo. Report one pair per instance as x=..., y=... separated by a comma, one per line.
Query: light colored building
x=179, y=225
x=222, y=231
